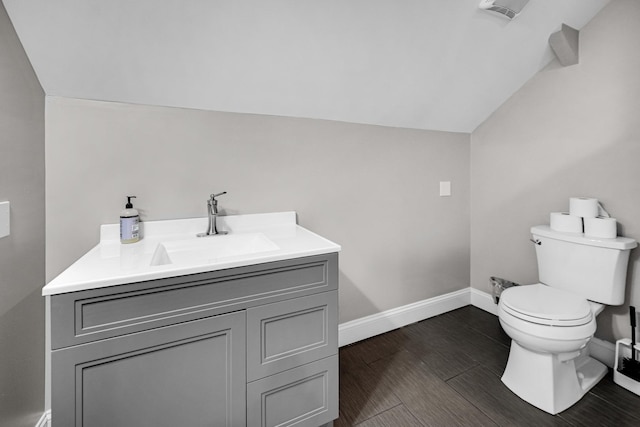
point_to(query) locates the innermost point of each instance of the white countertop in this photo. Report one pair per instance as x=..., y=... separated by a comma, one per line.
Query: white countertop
x=112, y=263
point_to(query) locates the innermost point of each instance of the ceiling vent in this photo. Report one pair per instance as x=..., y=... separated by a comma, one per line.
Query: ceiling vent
x=508, y=8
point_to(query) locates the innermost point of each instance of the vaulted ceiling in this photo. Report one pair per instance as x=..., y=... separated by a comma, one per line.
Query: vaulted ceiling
x=426, y=64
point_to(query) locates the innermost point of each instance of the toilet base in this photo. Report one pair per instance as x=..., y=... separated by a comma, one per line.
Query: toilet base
x=544, y=381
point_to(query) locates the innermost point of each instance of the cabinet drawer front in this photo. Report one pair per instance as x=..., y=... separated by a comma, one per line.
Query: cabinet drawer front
x=85, y=316
x=303, y=396
x=290, y=333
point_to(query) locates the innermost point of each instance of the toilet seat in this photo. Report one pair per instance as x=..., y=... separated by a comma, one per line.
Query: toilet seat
x=543, y=305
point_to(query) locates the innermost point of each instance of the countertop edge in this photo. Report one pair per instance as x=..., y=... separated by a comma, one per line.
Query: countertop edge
x=99, y=284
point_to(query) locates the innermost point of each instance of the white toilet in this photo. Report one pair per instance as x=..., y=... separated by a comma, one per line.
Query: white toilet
x=550, y=323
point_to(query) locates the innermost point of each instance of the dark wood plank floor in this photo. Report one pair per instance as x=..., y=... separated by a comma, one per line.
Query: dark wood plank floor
x=445, y=371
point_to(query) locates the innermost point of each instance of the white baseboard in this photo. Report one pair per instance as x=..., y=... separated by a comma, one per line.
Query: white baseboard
x=603, y=351
x=376, y=324
x=45, y=420
x=483, y=301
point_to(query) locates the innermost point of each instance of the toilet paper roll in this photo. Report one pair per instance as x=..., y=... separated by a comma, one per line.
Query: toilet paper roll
x=600, y=227
x=563, y=221
x=585, y=207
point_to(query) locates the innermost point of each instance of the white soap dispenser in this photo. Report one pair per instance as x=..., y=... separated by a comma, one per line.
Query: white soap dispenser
x=129, y=223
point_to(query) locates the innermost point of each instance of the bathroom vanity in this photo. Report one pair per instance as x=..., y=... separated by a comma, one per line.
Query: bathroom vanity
x=185, y=331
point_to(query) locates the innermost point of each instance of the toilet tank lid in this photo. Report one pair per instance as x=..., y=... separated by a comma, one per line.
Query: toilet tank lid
x=620, y=243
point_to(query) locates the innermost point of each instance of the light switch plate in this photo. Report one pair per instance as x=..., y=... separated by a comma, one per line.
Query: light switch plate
x=445, y=188
x=5, y=222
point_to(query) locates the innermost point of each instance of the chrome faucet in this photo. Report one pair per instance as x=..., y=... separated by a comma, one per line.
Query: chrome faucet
x=212, y=208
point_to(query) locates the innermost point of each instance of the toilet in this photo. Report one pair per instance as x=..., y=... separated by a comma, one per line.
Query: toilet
x=550, y=323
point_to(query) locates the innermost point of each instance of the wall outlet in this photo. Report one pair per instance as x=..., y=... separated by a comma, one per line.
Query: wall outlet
x=5, y=222
x=445, y=188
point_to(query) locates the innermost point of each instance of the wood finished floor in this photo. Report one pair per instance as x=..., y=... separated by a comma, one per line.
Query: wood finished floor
x=445, y=371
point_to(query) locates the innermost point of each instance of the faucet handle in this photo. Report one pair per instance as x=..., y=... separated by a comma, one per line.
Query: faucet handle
x=213, y=196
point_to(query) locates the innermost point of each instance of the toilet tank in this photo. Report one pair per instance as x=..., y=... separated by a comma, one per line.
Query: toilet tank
x=592, y=267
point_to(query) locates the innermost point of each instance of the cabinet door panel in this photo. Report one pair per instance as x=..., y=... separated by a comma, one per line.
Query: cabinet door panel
x=306, y=396
x=188, y=374
x=287, y=334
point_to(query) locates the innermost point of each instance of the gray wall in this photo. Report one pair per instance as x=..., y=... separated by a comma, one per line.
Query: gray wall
x=21, y=253
x=372, y=189
x=571, y=131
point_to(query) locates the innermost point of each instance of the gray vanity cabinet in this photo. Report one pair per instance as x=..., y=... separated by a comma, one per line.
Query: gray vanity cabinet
x=254, y=346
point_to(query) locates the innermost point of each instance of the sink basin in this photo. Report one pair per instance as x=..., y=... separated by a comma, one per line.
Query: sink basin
x=210, y=249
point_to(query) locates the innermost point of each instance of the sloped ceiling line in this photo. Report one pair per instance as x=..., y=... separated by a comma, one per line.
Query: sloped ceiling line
x=424, y=64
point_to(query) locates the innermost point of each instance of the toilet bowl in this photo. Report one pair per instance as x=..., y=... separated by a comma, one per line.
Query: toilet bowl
x=549, y=365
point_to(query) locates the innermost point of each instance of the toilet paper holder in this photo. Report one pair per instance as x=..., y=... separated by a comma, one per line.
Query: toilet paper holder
x=498, y=285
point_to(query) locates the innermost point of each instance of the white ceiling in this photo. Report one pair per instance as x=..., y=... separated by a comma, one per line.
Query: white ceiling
x=426, y=64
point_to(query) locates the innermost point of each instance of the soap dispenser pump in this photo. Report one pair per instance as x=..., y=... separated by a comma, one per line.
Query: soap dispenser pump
x=129, y=223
